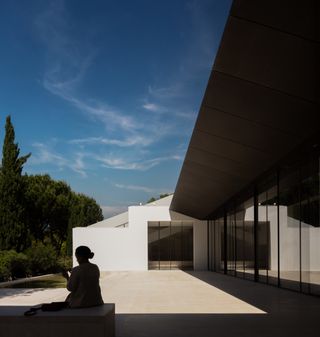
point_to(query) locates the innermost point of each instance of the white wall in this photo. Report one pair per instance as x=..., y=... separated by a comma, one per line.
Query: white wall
x=127, y=248
x=114, y=248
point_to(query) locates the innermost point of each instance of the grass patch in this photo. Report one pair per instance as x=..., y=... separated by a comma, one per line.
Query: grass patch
x=55, y=281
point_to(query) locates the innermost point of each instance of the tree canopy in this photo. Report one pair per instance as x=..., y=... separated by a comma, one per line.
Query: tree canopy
x=152, y=199
x=37, y=208
x=13, y=230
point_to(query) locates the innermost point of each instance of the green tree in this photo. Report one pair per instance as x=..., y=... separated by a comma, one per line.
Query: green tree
x=48, y=205
x=84, y=212
x=13, y=231
x=54, y=209
x=153, y=199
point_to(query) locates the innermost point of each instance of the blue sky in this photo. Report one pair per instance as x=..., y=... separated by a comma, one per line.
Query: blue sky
x=105, y=94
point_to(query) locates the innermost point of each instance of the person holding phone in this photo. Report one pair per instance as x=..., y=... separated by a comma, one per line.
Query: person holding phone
x=83, y=282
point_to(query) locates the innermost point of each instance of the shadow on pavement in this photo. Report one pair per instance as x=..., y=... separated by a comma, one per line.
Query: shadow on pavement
x=265, y=297
x=219, y=325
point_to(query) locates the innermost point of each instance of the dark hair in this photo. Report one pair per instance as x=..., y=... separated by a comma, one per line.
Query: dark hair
x=85, y=252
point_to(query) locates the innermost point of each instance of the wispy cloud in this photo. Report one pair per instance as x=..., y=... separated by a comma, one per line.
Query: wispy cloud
x=152, y=107
x=173, y=96
x=113, y=162
x=148, y=190
x=166, y=92
x=135, y=188
x=110, y=117
x=130, y=138
x=44, y=155
x=68, y=61
x=130, y=141
x=81, y=162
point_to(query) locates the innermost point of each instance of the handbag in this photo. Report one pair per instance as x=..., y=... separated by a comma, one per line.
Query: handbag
x=53, y=306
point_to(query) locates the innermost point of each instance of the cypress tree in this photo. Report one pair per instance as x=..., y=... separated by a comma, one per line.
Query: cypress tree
x=13, y=230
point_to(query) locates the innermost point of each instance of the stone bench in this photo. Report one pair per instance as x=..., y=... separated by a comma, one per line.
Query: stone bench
x=85, y=322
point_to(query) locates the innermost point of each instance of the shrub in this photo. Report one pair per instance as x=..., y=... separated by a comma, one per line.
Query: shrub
x=65, y=263
x=13, y=265
x=42, y=258
x=4, y=267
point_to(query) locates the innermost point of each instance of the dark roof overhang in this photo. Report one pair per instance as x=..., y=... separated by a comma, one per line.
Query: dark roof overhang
x=261, y=102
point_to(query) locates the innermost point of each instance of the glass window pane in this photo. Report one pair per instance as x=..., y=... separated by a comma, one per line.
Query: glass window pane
x=310, y=229
x=164, y=244
x=263, y=237
x=219, y=245
x=176, y=244
x=272, y=218
x=268, y=230
x=248, y=209
x=153, y=245
x=187, y=245
x=289, y=225
x=230, y=244
x=240, y=247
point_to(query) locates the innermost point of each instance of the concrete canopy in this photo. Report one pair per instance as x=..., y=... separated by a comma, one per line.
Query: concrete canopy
x=261, y=102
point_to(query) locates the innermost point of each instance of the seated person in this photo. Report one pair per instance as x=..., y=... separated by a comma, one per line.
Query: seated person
x=83, y=283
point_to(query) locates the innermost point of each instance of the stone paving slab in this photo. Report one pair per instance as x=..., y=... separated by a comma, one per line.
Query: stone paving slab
x=145, y=292
x=193, y=304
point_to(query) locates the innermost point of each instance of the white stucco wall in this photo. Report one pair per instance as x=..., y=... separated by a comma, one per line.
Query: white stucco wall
x=126, y=248
x=114, y=248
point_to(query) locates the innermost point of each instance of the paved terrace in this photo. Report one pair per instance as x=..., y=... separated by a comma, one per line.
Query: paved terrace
x=177, y=303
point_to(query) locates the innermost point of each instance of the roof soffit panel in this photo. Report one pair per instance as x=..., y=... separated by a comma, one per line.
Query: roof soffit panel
x=252, y=52
x=226, y=148
x=213, y=161
x=285, y=15
x=209, y=175
x=262, y=105
x=243, y=131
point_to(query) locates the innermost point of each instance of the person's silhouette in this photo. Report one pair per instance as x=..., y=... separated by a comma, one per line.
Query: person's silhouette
x=83, y=283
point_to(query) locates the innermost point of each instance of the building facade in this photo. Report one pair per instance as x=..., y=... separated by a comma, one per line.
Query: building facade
x=253, y=159
x=146, y=237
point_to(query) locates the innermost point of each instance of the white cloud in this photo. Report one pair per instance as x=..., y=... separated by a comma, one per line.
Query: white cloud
x=78, y=165
x=99, y=111
x=68, y=61
x=187, y=115
x=44, y=155
x=148, y=190
x=135, y=188
x=127, y=142
x=152, y=107
x=121, y=163
x=80, y=161
x=166, y=92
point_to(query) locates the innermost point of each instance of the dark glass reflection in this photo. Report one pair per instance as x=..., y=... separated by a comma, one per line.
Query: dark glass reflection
x=170, y=245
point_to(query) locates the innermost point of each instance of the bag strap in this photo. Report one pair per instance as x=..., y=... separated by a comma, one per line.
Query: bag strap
x=32, y=311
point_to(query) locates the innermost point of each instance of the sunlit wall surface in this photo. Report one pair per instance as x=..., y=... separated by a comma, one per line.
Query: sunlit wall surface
x=170, y=245
x=270, y=232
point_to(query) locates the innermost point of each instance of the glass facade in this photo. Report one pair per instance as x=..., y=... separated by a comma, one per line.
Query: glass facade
x=170, y=245
x=271, y=233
